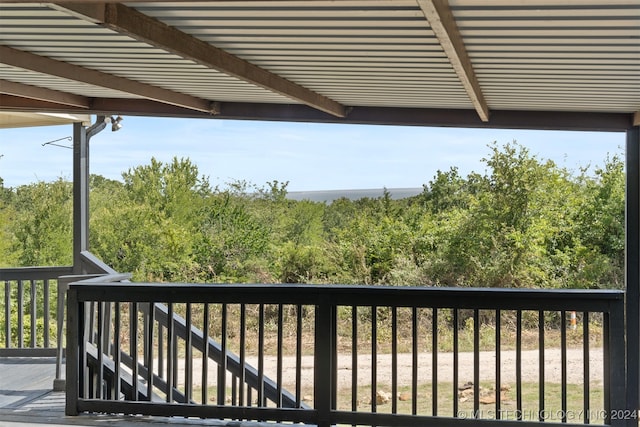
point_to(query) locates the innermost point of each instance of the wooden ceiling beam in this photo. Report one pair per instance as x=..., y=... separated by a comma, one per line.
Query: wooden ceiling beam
x=52, y=67
x=43, y=94
x=500, y=119
x=20, y=104
x=636, y=118
x=128, y=21
x=443, y=24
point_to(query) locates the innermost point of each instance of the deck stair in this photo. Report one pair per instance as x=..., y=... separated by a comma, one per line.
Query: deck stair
x=197, y=339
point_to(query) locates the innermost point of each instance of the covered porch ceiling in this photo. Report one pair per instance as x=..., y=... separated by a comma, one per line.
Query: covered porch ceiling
x=538, y=64
x=9, y=119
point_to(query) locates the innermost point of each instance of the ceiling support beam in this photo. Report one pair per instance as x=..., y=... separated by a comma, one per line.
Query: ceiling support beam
x=500, y=119
x=19, y=104
x=52, y=67
x=636, y=118
x=141, y=27
x=443, y=24
x=43, y=94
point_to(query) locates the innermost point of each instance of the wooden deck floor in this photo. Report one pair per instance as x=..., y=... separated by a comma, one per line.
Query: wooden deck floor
x=27, y=399
x=24, y=379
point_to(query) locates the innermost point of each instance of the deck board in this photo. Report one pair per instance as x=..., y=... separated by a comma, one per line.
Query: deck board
x=23, y=379
x=27, y=399
x=49, y=410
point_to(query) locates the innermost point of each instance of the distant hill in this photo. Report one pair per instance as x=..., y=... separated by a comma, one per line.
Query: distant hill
x=331, y=195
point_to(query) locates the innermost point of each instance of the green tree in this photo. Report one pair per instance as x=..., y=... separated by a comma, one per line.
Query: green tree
x=230, y=239
x=524, y=223
x=448, y=190
x=7, y=217
x=42, y=225
x=505, y=238
x=149, y=230
x=338, y=215
x=374, y=242
x=601, y=227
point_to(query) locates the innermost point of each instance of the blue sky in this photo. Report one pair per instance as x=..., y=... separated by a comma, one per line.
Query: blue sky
x=309, y=156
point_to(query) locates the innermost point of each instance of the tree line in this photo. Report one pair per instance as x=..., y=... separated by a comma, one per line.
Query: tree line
x=524, y=222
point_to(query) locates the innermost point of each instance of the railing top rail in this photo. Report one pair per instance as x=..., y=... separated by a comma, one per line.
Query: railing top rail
x=94, y=264
x=481, y=298
x=33, y=273
x=106, y=278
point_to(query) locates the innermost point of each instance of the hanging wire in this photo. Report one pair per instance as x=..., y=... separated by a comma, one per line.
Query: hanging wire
x=68, y=138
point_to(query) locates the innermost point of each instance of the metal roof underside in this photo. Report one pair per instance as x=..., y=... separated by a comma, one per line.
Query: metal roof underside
x=539, y=64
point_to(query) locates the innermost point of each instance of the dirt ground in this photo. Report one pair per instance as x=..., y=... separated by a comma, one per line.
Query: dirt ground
x=530, y=368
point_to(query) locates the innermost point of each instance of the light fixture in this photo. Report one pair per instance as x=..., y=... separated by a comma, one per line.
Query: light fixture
x=115, y=123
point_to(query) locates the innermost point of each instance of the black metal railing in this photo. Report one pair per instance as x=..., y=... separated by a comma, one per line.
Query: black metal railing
x=131, y=371
x=175, y=329
x=32, y=306
x=347, y=354
x=28, y=310
x=91, y=267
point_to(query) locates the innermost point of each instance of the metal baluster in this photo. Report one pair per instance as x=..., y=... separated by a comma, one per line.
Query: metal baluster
x=455, y=362
x=87, y=316
x=116, y=351
x=541, y=364
x=434, y=361
x=476, y=363
x=243, y=343
x=519, y=364
x=394, y=360
x=585, y=358
x=498, y=364
x=222, y=366
x=298, y=355
x=414, y=365
x=149, y=346
x=33, y=306
x=7, y=314
x=334, y=356
x=145, y=334
x=205, y=355
x=279, y=357
x=374, y=358
x=20, y=314
x=106, y=344
x=98, y=391
x=133, y=347
x=46, y=313
x=171, y=367
x=606, y=366
x=188, y=363
x=261, y=401
x=563, y=357
x=354, y=358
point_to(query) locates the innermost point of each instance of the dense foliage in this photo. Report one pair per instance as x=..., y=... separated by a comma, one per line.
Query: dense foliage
x=525, y=222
